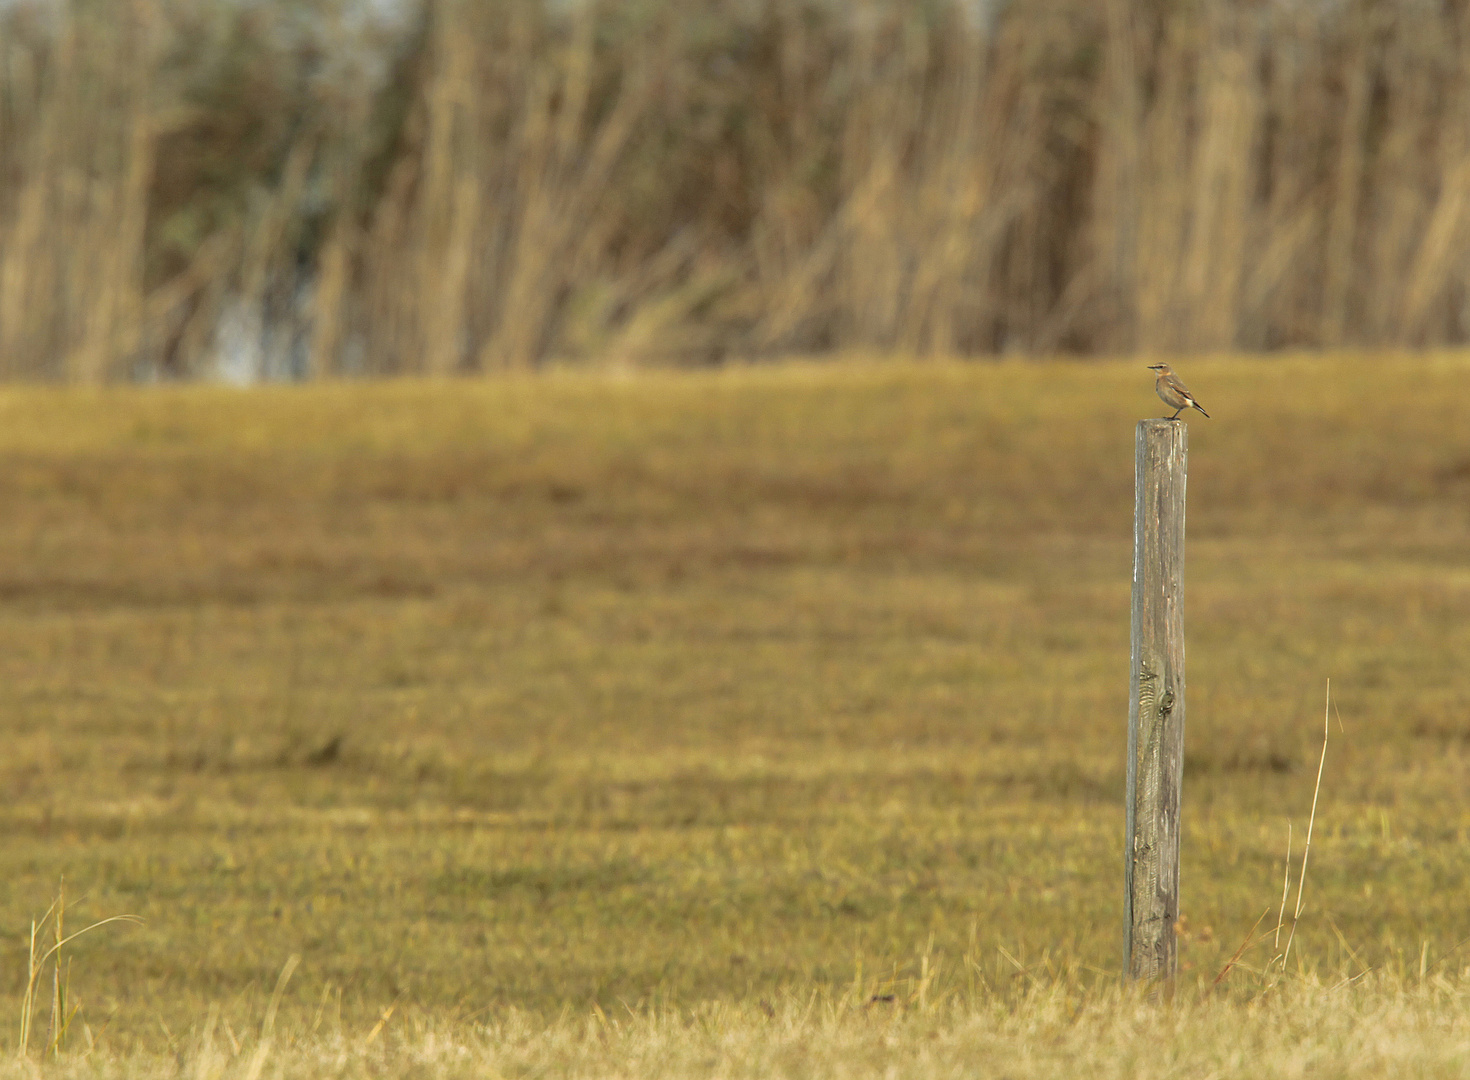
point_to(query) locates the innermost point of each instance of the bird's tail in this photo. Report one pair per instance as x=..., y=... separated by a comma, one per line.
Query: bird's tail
x=1197, y=405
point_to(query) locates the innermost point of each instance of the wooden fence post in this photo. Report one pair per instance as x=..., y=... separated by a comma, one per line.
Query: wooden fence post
x=1155, y=702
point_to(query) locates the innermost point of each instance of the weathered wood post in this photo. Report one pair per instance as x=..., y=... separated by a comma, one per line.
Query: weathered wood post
x=1155, y=702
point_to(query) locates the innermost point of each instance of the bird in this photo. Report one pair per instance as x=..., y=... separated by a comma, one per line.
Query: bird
x=1175, y=394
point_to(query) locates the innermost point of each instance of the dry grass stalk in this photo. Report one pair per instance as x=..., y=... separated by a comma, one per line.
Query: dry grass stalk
x=268, y=1026
x=1301, y=879
x=37, y=957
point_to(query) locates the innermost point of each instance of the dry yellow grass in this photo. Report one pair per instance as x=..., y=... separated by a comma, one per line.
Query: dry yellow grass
x=498, y=699
x=1373, y=1029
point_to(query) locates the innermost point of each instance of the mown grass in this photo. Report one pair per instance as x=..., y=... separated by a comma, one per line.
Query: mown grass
x=678, y=693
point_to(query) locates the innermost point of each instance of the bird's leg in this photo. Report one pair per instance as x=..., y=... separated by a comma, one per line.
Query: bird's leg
x=1177, y=412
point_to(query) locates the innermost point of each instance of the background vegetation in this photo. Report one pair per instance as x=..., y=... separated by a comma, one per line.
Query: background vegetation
x=797, y=684
x=294, y=188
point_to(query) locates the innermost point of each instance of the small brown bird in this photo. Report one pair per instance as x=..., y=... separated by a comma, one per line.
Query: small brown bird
x=1175, y=394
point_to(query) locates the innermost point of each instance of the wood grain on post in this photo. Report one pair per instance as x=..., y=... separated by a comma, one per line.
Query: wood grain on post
x=1155, y=702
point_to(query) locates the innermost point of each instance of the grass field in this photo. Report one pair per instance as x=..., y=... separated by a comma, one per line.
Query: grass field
x=589, y=708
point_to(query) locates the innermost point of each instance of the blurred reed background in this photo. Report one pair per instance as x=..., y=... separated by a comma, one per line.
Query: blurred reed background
x=306, y=188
